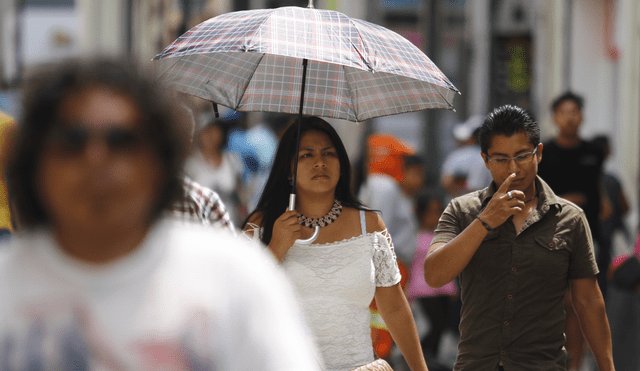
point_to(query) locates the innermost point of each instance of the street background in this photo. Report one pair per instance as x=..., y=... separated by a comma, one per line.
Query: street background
x=495, y=51
x=523, y=52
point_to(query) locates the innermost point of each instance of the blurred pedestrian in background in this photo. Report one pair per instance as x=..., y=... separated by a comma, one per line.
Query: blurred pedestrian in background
x=463, y=170
x=212, y=166
x=572, y=167
x=382, y=190
x=434, y=302
x=95, y=280
x=199, y=204
x=623, y=307
x=351, y=261
x=7, y=130
x=395, y=175
x=613, y=221
x=264, y=142
x=518, y=248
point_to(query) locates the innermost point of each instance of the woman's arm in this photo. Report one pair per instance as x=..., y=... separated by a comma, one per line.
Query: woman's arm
x=396, y=313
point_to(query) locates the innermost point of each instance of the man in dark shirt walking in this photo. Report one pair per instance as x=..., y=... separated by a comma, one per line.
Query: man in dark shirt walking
x=573, y=168
x=518, y=248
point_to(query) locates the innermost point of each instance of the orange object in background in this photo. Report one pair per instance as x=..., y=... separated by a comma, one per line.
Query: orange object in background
x=6, y=129
x=385, y=155
x=380, y=336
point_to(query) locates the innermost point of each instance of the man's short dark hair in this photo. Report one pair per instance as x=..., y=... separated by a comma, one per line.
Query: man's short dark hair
x=162, y=121
x=508, y=120
x=568, y=95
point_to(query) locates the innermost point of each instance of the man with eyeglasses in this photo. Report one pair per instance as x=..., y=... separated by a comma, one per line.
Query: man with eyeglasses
x=518, y=248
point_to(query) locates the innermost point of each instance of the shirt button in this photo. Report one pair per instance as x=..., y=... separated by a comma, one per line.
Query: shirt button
x=513, y=269
x=503, y=352
x=550, y=244
x=506, y=323
x=515, y=242
x=509, y=296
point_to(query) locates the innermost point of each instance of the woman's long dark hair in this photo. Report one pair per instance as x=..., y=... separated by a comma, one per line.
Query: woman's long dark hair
x=275, y=196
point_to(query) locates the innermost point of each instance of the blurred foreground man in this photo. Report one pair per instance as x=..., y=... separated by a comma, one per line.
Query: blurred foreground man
x=518, y=248
x=95, y=280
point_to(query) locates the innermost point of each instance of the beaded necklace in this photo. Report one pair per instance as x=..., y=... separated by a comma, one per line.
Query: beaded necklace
x=331, y=216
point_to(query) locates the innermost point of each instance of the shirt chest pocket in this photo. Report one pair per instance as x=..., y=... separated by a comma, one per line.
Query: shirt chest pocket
x=487, y=257
x=551, y=255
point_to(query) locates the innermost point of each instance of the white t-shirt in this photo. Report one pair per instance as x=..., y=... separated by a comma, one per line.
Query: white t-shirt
x=382, y=192
x=223, y=179
x=177, y=302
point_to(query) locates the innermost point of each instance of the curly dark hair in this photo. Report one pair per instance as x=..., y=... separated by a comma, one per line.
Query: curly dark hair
x=48, y=88
x=275, y=196
x=507, y=120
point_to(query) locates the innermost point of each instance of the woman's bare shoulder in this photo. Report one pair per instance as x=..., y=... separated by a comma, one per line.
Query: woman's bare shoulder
x=374, y=222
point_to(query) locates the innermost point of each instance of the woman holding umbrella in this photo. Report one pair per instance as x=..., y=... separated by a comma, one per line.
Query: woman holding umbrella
x=352, y=260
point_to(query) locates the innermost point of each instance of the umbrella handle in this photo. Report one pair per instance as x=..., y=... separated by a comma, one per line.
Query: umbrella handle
x=316, y=232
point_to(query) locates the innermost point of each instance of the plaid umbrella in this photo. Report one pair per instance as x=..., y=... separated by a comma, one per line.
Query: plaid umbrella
x=252, y=61
x=265, y=60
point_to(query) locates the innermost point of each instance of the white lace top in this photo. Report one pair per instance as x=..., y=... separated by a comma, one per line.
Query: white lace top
x=336, y=283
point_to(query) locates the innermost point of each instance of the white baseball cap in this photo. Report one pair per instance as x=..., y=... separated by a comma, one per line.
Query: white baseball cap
x=464, y=130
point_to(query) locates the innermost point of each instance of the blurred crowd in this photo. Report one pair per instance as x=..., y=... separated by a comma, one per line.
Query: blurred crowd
x=102, y=165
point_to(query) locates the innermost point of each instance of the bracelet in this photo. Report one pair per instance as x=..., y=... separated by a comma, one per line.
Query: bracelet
x=484, y=224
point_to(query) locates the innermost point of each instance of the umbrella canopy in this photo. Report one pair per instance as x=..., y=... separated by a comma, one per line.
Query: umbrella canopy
x=251, y=61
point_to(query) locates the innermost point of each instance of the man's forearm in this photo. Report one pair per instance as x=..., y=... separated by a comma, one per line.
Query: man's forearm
x=445, y=262
x=595, y=328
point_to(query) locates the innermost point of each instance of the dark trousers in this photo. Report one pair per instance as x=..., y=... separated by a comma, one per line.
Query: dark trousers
x=437, y=309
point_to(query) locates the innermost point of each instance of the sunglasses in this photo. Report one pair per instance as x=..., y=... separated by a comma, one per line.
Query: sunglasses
x=72, y=140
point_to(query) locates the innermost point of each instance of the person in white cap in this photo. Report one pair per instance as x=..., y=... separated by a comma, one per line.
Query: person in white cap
x=463, y=170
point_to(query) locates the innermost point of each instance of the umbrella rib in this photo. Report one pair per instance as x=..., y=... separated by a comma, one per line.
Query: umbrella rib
x=351, y=91
x=362, y=55
x=244, y=88
x=167, y=70
x=444, y=98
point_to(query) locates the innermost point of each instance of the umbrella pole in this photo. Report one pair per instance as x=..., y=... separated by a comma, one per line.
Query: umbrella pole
x=292, y=196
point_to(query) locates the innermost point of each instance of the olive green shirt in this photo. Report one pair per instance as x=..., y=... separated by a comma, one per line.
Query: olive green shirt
x=512, y=290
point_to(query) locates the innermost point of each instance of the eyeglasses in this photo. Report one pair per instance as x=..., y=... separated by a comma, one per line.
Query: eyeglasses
x=519, y=159
x=73, y=139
